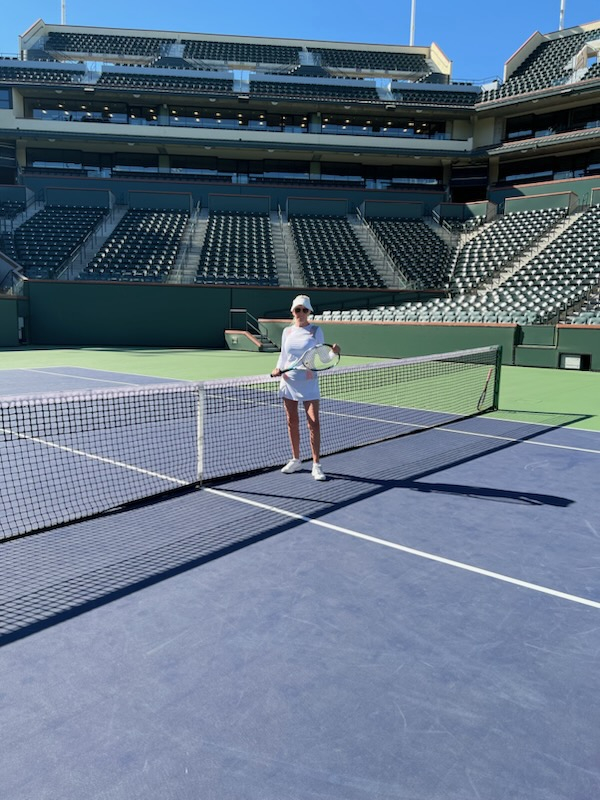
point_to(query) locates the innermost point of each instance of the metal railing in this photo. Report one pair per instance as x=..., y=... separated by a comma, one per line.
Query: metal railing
x=250, y=325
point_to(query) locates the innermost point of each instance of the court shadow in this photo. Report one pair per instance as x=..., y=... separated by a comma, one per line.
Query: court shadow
x=550, y=419
x=406, y=462
x=478, y=492
x=59, y=574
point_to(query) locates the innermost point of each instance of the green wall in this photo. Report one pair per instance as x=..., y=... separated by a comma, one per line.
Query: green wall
x=544, y=345
x=538, y=335
x=579, y=339
x=536, y=356
x=201, y=192
x=582, y=187
x=155, y=315
x=151, y=315
x=120, y=314
x=9, y=321
x=399, y=339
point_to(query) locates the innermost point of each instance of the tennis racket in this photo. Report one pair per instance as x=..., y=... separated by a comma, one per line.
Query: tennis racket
x=482, y=396
x=317, y=358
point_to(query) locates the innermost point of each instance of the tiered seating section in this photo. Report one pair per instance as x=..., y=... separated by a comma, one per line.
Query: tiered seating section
x=370, y=60
x=498, y=244
x=143, y=247
x=108, y=44
x=558, y=277
x=562, y=281
x=549, y=65
x=238, y=249
x=45, y=241
x=234, y=52
x=562, y=276
x=173, y=83
x=297, y=90
x=330, y=253
x=411, y=97
x=418, y=252
x=240, y=52
x=589, y=311
x=9, y=209
x=37, y=75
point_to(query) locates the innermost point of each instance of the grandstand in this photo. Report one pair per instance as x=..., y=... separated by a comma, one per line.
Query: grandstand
x=206, y=161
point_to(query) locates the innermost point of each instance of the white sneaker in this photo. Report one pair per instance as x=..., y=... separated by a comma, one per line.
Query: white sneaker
x=317, y=473
x=292, y=466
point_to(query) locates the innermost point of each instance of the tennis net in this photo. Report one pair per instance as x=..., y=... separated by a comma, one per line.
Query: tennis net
x=69, y=456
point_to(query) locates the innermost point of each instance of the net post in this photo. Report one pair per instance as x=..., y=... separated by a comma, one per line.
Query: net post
x=498, y=371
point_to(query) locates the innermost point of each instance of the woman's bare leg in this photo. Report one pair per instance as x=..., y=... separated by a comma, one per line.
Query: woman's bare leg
x=314, y=427
x=291, y=413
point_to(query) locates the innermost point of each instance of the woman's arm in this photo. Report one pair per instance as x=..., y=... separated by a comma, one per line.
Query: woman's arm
x=282, y=355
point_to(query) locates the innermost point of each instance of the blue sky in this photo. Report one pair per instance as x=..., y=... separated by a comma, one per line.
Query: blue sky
x=478, y=37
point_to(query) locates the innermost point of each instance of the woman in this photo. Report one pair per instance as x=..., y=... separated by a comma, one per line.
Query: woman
x=301, y=384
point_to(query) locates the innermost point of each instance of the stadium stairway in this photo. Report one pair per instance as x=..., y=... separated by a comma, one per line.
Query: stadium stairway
x=281, y=250
x=187, y=265
x=87, y=252
x=295, y=270
x=382, y=262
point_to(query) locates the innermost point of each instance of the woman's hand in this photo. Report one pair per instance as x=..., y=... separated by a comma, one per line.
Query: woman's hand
x=336, y=349
x=276, y=372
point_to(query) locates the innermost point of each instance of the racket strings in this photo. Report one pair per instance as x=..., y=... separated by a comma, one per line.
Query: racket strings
x=320, y=357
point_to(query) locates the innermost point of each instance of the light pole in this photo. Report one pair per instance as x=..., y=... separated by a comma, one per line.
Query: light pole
x=412, y=22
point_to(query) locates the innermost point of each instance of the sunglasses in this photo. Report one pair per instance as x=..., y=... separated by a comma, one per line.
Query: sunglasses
x=300, y=310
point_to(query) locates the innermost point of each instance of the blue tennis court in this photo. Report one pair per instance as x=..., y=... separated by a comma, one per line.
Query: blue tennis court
x=422, y=626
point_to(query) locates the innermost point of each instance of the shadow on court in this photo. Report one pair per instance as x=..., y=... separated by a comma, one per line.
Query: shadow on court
x=55, y=575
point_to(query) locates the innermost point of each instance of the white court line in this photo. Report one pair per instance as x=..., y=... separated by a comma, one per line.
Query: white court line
x=539, y=424
x=445, y=428
x=87, y=377
x=520, y=441
x=94, y=457
x=410, y=551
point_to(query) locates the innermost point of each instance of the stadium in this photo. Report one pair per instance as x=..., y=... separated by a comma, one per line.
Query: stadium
x=233, y=168
x=187, y=613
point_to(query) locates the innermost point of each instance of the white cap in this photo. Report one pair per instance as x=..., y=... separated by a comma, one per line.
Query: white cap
x=301, y=300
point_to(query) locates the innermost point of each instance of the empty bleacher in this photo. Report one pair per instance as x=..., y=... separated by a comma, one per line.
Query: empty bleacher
x=558, y=277
x=418, y=252
x=240, y=52
x=47, y=239
x=370, y=60
x=563, y=276
x=498, y=244
x=9, y=209
x=409, y=97
x=588, y=312
x=19, y=74
x=238, y=249
x=143, y=247
x=330, y=254
x=326, y=91
x=550, y=64
x=105, y=44
x=164, y=82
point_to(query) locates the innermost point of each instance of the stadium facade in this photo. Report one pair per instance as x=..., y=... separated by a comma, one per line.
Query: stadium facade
x=201, y=123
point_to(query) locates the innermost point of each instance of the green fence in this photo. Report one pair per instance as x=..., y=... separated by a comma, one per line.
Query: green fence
x=9, y=321
x=150, y=315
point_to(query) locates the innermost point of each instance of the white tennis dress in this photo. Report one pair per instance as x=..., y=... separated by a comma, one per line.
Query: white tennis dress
x=299, y=384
